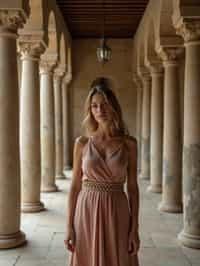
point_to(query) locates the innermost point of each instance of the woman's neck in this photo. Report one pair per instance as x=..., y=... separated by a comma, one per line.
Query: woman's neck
x=104, y=133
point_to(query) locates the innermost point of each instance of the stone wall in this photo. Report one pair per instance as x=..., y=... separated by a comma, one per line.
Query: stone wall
x=86, y=68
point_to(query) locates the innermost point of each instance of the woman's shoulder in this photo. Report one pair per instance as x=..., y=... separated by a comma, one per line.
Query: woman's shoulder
x=130, y=141
x=82, y=140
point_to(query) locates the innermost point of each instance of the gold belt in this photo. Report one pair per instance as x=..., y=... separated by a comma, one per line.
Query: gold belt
x=103, y=186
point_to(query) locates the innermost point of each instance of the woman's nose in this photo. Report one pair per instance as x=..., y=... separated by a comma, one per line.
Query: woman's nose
x=100, y=108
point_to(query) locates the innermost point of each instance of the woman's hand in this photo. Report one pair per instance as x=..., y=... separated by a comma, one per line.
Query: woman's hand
x=133, y=243
x=70, y=240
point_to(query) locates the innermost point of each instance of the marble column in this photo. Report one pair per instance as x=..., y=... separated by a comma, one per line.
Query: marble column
x=66, y=139
x=190, y=235
x=30, y=126
x=156, y=139
x=58, y=75
x=47, y=127
x=172, y=145
x=145, y=138
x=10, y=234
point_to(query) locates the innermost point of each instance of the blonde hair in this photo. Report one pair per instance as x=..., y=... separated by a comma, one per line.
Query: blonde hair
x=101, y=85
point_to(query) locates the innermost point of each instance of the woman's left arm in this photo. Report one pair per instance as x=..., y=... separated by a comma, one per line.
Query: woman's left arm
x=132, y=185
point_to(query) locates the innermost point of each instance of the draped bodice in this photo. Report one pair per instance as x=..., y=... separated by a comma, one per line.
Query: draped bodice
x=113, y=168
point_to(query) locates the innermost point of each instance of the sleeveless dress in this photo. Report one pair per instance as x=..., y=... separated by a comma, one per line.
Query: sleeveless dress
x=102, y=219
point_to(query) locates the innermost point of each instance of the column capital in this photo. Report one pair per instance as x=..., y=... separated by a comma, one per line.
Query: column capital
x=137, y=80
x=59, y=73
x=68, y=78
x=171, y=54
x=46, y=67
x=30, y=49
x=10, y=21
x=145, y=76
x=144, y=73
x=188, y=28
x=156, y=69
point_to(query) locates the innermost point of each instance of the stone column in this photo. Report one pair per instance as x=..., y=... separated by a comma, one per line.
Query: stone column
x=65, y=97
x=156, y=129
x=172, y=146
x=139, y=119
x=190, y=235
x=47, y=127
x=10, y=234
x=30, y=126
x=58, y=74
x=145, y=138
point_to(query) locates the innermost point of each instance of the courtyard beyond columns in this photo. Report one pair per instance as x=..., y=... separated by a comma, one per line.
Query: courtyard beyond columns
x=45, y=233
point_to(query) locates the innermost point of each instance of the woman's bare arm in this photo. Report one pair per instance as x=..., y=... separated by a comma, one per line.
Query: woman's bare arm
x=76, y=180
x=132, y=186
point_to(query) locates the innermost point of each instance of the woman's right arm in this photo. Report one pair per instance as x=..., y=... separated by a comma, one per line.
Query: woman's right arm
x=76, y=181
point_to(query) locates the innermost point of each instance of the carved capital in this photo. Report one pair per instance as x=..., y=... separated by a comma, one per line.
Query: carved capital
x=144, y=73
x=138, y=83
x=171, y=54
x=31, y=50
x=189, y=29
x=68, y=78
x=137, y=80
x=47, y=67
x=156, y=69
x=11, y=20
x=59, y=73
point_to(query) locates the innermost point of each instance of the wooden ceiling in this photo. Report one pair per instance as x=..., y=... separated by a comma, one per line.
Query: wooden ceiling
x=85, y=18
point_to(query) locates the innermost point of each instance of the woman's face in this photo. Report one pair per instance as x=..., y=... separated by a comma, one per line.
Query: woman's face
x=101, y=109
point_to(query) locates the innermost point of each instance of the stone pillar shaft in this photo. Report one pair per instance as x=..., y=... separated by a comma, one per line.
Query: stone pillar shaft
x=10, y=234
x=156, y=131
x=139, y=122
x=47, y=128
x=65, y=97
x=30, y=128
x=172, y=151
x=145, y=138
x=190, y=235
x=58, y=125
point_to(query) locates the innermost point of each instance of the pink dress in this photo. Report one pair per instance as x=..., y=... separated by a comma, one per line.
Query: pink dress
x=102, y=219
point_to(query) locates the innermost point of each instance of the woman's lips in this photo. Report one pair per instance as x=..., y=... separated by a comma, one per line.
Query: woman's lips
x=102, y=116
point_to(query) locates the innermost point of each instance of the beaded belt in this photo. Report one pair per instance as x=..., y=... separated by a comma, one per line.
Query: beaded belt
x=103, y=186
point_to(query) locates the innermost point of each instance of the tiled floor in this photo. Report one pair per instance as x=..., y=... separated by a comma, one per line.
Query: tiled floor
x=45, y=234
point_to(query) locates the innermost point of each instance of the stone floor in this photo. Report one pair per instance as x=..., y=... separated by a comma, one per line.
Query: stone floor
x=45, y=234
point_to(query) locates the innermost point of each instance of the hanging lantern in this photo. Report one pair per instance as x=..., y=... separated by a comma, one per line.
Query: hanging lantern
x=103, y=52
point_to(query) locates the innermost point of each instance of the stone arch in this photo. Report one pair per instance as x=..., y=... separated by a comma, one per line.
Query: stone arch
x=140, y=55
x=69, y=60
x=150, y=55
x=63, y=51
x=166, y=33
x=34, y=28
x=134, y=58
x=52, y=49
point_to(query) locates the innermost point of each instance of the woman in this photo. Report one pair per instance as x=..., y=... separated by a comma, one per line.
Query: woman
x=102, y=224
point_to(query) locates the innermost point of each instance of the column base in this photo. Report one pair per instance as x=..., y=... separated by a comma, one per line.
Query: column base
x=67, y=167
x=190, y=241
x=32, y=207
x=60, y=176
x=52, y=188
x=12, y=240
x=154, y=188
x=144, y=177
x=164, y=207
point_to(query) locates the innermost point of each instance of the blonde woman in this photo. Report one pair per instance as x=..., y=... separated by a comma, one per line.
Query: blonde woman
x=102, y=221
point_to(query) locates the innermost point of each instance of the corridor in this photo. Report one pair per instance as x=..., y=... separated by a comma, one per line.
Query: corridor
x=45, y=233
